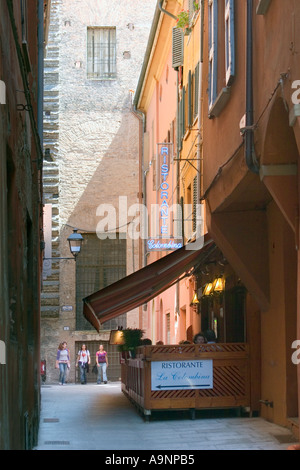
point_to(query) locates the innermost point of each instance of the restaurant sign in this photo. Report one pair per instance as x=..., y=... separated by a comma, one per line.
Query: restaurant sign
x=165, y=234
x=182, y=375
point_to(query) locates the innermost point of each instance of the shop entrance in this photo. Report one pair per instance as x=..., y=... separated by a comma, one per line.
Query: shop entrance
x=225, y=314
x=114, y=366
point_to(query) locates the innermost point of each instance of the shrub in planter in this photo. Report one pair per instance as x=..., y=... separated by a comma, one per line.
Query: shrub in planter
x=132, y=339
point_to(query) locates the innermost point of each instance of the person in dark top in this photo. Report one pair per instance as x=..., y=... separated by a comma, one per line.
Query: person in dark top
x=210, y=336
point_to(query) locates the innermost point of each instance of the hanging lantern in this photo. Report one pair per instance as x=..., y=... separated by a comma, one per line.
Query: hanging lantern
x=219, y=285
x=208, y=289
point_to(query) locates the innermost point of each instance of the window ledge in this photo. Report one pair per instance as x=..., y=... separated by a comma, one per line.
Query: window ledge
x=220, y=103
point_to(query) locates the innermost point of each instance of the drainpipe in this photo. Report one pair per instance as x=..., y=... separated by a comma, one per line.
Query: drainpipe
x=40, y=70
x=177, y=301
x=40, y=92
x=142, y=187
x=250, y=156
x=160, y=3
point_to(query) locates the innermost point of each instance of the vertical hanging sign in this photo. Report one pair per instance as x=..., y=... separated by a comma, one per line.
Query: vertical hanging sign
x=165, y=233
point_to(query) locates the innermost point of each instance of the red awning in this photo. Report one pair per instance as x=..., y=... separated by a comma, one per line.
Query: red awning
x=143, y=285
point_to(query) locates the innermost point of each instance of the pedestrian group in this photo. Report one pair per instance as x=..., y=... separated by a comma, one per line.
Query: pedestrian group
x=83, y=362
x=100, y=368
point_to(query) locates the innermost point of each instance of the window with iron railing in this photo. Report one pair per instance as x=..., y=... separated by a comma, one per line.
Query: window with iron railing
x=101, y=53
x=100, y=264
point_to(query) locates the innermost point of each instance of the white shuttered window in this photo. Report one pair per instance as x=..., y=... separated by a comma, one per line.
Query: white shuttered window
x=229, y=42
x=213, y=49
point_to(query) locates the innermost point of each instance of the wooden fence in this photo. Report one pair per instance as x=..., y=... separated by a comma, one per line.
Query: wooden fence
x=231, y=377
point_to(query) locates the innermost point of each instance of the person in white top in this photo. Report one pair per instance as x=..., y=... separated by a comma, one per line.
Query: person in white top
x=83, y=362
x=62, y=362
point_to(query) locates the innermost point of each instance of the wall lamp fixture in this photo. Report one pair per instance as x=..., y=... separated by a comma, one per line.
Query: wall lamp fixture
x=218, y=286
x=195, y=300
x=208, y=289
x=75, y=242
x=116, y=336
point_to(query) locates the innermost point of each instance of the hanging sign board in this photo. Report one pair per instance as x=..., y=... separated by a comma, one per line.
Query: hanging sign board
x=165, y=214
x=182, y=375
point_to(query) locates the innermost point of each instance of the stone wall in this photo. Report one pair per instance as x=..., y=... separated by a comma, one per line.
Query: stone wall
x=93, y=140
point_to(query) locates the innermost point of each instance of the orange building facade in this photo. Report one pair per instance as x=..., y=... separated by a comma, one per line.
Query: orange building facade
x=251, y=148
x=169, y=317
x=229, y=110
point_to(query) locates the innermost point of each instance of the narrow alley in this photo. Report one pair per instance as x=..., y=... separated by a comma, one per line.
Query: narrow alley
x=92, y=417
x=150, y=226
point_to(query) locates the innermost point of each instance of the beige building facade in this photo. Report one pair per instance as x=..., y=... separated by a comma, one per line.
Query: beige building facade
x=91, y=178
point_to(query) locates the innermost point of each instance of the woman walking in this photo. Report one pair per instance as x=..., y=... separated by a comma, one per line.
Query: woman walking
x=62, y=362
x=83, y=361
x=102, y=364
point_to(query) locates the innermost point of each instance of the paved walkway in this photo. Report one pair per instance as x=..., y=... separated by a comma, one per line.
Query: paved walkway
x=100, y=417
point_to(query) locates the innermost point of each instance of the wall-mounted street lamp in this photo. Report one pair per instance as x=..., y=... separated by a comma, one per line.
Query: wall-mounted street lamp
x=75, y=242
x=208, y=289
x=195, y=300
x=219, y=285
x=216, y=287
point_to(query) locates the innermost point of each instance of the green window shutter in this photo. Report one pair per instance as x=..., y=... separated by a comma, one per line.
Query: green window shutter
x=196, y=90
x=190, y=100
x=183, y=113
x=181, y=122
x=179, y=126
x=195, y=202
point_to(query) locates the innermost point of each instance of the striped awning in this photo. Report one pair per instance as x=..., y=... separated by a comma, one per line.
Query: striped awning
x=143, y=285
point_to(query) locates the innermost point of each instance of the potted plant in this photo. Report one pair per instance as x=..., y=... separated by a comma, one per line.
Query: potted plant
x=132, y=339
x=183, y=21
